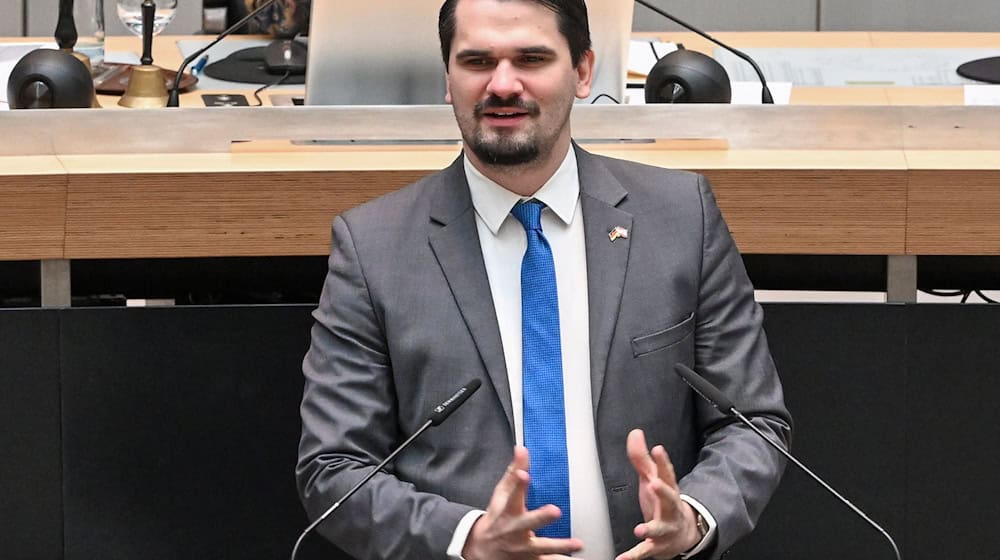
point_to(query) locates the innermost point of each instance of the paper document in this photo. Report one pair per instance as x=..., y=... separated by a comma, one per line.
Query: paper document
x=744, y=93
x=854, y=67
x=748, y=93
x=982, y=94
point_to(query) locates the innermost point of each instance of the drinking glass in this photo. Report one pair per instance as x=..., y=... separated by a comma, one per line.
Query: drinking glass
x=88, y=15
x=130, y=13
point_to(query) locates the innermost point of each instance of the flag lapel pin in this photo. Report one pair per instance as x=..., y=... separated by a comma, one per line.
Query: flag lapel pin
x=617, y=232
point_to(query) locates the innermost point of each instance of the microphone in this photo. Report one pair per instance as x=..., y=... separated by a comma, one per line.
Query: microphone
x=712, y=394
x=174, y=99
x=765, y=93
x=440, y=413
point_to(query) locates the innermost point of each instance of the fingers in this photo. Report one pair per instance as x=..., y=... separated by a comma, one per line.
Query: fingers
x=664, y=468
x=655, y=464
x=644, y=549
x=665, y=515
x=521, y=459
x=544, y=545
x=509, y=493
x=519, y=495
x=638, y=454
x=535, y=519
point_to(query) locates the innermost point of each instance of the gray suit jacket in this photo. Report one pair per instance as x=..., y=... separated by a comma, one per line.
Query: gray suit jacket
x=406, y=317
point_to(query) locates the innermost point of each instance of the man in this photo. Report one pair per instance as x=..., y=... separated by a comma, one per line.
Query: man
x=623, y=271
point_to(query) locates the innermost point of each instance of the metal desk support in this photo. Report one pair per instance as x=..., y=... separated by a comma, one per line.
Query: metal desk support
x=55, y=283
x=901, y=279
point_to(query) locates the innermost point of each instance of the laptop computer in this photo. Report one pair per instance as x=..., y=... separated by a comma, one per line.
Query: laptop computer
x=386, y=52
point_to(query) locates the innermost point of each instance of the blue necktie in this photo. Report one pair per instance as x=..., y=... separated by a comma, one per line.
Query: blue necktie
x=544, y=414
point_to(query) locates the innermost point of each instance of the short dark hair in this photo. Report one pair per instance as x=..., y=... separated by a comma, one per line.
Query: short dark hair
x=571, y=15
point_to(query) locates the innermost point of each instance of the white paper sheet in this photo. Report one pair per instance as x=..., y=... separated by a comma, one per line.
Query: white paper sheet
x=854, y=67
x=982, y=94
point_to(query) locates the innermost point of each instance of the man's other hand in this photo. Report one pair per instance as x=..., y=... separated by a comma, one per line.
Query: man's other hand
x=669, y=528
x=507, y=529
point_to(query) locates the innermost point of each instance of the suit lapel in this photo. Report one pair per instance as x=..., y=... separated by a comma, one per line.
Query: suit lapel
x=455, y=242
x=607, y=259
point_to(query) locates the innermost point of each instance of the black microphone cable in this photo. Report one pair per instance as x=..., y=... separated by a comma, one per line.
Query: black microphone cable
x=278, y=82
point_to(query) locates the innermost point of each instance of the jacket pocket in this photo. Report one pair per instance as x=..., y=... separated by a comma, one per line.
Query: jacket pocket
x=661, y=339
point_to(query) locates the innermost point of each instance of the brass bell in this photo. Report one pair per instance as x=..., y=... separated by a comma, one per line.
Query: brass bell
x=94, y=104
x=146, y=88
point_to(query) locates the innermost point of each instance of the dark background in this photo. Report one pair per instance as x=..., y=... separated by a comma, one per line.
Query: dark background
x=171, y=433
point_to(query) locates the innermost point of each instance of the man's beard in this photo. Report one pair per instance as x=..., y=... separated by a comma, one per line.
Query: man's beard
x=504, y=149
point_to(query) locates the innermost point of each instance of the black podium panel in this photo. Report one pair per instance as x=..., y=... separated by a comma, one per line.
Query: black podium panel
x=953, y=416
x=181, y=429
x=30, y=462
x=841, y=367
x=148, y=434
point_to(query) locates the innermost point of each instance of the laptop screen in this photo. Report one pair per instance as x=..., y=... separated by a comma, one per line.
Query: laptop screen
x=386, y=52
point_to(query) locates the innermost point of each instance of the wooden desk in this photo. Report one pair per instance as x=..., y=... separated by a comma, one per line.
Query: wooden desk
x=879, y=192
x=896, y=197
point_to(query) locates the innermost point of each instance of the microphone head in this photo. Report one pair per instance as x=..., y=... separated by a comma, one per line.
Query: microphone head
x=49, y=79
x=703, y=387
x=685, y=76
x=442, y=411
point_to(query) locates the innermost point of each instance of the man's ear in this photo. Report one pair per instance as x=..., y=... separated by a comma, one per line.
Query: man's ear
x=585, y=74
x=447, y=88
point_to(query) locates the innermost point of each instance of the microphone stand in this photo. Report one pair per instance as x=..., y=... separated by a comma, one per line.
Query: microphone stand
x=719, y=400
x=373, y=472
x=174, y=99
x=783, y=451
x=436, y=417
x=765, y=92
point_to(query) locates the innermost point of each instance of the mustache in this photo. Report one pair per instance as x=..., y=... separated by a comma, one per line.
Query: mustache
x=497, y=102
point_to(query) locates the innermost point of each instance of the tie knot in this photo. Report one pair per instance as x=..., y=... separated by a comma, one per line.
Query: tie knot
x=529, y=213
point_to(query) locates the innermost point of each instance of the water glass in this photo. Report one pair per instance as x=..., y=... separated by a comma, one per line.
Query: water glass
x=88, y=15
x=130, y=13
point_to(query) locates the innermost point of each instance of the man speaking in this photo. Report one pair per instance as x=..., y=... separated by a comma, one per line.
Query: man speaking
x=570, y=285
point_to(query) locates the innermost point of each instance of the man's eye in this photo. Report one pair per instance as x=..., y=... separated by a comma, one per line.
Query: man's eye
x=532, y=59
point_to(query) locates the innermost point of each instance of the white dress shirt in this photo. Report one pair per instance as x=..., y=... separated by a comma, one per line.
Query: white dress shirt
x=503, y=243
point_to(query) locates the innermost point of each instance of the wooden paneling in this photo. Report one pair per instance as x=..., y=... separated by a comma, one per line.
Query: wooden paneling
x=770, y=210
x=954, y=212
x=273, y=204
x=216, y=214
x=815, y=212
x=32, y=208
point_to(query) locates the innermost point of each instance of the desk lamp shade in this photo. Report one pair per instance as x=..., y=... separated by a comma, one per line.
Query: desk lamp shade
x=49, y=79
x=983, y=70
x=685, y=76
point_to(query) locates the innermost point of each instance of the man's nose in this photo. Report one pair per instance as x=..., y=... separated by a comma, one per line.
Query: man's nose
x=505, y=81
